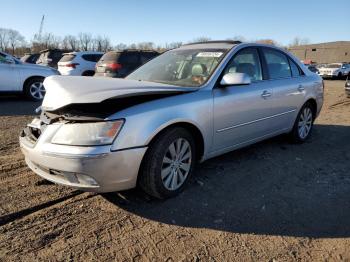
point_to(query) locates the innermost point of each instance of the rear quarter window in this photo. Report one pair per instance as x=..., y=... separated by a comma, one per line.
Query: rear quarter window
x=110, y=56
x=67, y=58
x=92, y=57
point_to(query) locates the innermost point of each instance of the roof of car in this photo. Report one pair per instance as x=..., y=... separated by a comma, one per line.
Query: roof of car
x=225, y=44
x=84, y=52
x=133, y=50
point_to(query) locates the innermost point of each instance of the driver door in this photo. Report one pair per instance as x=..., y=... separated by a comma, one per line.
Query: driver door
x=8, y=74
x=242, y=112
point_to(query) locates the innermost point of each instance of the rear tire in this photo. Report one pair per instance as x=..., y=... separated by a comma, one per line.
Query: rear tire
x=303, y=124
x=88, y=73
x=168, y=164
x=34, y=89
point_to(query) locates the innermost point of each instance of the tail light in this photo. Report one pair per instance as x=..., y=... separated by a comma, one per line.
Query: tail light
x=73, y=65
x=114, y=66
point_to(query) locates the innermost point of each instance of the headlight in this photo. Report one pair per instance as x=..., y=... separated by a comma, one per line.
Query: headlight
x=88, y=134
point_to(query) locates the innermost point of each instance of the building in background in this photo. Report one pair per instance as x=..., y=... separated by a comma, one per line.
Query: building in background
x=323, y=53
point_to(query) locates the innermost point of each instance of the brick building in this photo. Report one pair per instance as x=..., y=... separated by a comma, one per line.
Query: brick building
x=331, y=52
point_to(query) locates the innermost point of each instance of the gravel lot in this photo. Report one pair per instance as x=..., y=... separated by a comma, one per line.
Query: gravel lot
x=273, y=201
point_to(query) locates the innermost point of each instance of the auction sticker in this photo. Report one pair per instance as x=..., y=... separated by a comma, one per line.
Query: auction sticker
x=209, y=54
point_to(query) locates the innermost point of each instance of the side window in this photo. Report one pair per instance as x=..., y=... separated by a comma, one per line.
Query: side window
x=92, y=57
x=131, y=58
x=277, y=64
x=246, y=61
x=294, y=68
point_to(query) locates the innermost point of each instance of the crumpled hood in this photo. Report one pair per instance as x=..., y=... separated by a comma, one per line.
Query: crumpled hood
x=65, y=90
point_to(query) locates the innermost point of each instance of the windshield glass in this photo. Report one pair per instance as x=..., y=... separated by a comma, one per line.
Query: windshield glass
x=182, y=67
x=334, y=66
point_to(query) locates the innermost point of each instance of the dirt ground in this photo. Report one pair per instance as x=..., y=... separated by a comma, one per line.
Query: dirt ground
x=273, y=201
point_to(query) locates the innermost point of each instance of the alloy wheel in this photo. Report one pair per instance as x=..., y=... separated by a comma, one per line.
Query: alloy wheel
x=305, y=123
x=37, y=90
x=176, y=164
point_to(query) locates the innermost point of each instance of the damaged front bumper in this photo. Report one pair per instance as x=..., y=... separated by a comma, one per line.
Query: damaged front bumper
x=88, y=168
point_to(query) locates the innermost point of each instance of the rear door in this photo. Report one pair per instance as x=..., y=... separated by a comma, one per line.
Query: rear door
x=243, y=113
x=288, y=83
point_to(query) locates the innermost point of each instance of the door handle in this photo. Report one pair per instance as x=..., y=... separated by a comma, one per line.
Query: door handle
x=266, y=94
x=301, y=88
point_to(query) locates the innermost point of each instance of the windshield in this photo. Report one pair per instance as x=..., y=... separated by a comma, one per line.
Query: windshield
x=334, y=66
x=186, y=67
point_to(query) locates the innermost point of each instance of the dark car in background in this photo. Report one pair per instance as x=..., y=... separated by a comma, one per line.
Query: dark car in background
x=30, y=58
x=50, y=57
x=121, y=63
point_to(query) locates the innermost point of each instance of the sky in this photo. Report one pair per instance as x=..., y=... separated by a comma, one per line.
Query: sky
x=165, y=21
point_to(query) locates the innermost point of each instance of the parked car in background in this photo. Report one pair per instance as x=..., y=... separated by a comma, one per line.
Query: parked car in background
x=50, y=57
x=121, y=63
x=23, y=78
x=335, y=70
x=30, y=58
x=347, y=86
x=189, y=104
x=79, y=63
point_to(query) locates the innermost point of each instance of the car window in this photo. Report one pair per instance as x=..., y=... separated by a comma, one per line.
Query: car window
x=277, y=64
x=67, y=58
x=295, y=69
x=129, y=58
x=92, y=57
x=147, y=56
x=182, y=67
x=110, y=56
x=246, y=61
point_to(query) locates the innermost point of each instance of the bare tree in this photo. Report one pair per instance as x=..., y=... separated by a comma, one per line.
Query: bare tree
x=201, y=39
x=70, y=42
x=237, y=38
x=172, y=45
x=121, y=46
x=85, y=41
x=299, y=41
x=4, y=41
x=102, y=44
x=15, y=39
x=146, y=45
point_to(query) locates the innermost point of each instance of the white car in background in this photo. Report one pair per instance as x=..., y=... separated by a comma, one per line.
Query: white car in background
x=19, y=77
x=335, y=70
x=79, y=63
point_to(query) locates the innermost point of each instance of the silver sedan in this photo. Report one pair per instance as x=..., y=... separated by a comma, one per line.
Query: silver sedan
x=185, y=106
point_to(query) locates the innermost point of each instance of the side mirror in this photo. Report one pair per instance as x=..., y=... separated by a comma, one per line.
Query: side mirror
x=230, y=79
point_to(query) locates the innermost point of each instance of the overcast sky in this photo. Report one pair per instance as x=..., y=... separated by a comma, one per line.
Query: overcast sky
x=181, y=20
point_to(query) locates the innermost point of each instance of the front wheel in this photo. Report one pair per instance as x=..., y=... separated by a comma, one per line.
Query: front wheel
x=168, y=163
x=34, y=89
x=303, y=124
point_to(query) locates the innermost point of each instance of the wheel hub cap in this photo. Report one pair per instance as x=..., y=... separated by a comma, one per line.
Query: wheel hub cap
x=37, y=90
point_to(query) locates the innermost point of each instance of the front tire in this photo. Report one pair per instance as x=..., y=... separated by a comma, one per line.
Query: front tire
x=303, y=124
x=34, y=89
x=168, y=163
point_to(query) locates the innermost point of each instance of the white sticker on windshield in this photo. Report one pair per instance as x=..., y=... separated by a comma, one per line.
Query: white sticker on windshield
x=209, y=54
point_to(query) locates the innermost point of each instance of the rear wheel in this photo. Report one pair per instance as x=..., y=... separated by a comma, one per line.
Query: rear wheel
x=303, y=124
x=34, y=89
x=168, y=163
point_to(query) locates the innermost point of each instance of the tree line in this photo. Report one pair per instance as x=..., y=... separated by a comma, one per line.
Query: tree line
x=13, y=42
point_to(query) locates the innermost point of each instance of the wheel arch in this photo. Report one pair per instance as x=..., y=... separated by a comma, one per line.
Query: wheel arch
x=30, y=78
x=191, y=127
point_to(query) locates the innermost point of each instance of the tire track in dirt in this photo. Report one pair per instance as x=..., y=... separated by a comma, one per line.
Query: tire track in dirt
x=20, y=214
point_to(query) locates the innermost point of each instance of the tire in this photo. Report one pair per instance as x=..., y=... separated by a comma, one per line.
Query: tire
x=158, y=160
x=34, y=89
x=306, y=112
x=88, y=73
